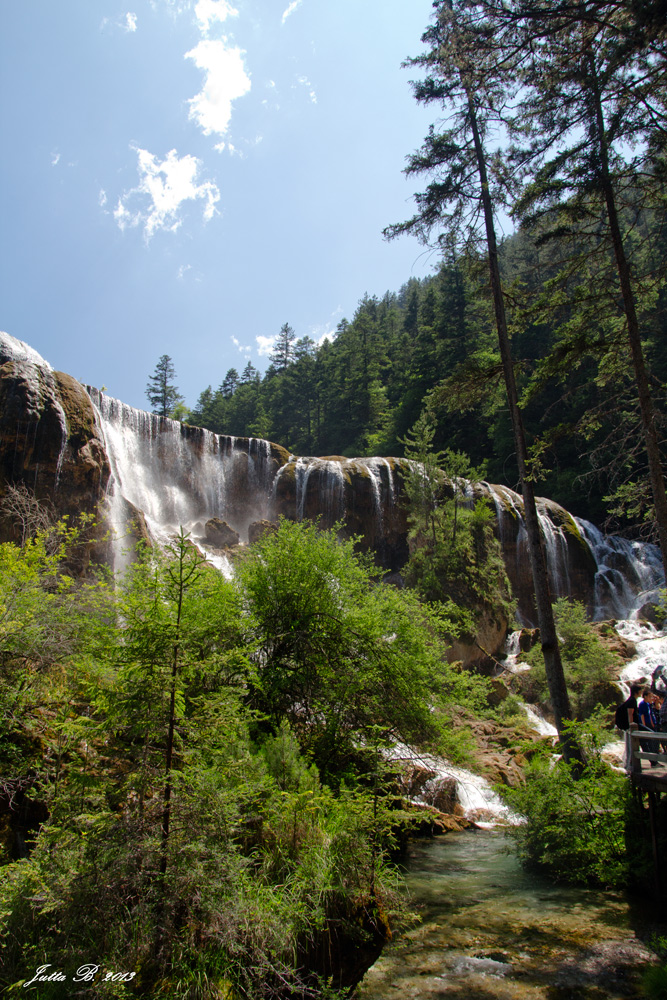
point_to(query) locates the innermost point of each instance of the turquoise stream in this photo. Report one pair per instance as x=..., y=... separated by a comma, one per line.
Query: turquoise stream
x=490, y=930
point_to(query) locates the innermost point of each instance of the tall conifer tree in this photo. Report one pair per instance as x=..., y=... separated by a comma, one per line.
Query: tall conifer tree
x=161, y=392
x=459, y=204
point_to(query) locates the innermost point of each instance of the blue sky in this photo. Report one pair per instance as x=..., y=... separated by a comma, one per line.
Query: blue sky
x=182, y=177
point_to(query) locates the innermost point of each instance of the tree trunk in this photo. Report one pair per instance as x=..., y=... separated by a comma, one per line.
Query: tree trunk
x=629, y=308
x=549, y=640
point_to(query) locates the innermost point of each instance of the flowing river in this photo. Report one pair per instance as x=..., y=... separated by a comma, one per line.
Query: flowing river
x=492, y=930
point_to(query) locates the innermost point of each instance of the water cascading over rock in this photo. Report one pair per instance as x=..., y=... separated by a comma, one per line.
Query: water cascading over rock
x=79, y=447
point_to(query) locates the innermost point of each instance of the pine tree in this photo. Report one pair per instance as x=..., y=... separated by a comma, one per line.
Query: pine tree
x=249, y=374
x=594, y=119
x=283, y=352
x=161, y=392
x=230, y=383
x=459, y=204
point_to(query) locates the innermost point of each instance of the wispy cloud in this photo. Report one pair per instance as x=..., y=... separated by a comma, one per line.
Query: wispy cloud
x=225, y=80
x=162, y=190
x=55, y=159
x=303, y=81
x=328, y=330
x=243, y=348
x=128, y=23
x=207, y=11
x=265, y=345
x=290, y=10
x=102, y=199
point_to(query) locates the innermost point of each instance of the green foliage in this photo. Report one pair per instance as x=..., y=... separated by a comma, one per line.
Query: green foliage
x=654, y=980
x=161, y=392
x=335, y=653
x=575, y=822
x=174, y=821
x=589, y=666
x=511, y=710
x=454, y=554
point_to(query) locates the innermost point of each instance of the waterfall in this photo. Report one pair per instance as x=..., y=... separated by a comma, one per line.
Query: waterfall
x=474, y=794
x=177, y=476
x=13, y=349
x=627, y=575
x=614, y=576
x=180, y=475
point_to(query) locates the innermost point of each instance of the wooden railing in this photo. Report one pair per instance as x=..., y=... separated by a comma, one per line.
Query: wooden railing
x=634, y=755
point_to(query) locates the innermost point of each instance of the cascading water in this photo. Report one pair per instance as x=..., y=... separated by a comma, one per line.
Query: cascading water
x=179, y=475
x=474, y=794
x=623, y=574
x=628, y=573
x=175, y=475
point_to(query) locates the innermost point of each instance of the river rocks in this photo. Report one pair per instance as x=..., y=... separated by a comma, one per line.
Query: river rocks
x=528, y=637
x=220, y=535
x=614, y=642
x=650, y=612
x=496, y=753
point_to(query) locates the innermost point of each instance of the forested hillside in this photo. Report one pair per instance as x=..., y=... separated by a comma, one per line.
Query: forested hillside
x=433, y=342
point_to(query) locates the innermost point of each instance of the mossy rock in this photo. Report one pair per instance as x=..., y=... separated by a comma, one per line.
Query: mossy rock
x=79, y=410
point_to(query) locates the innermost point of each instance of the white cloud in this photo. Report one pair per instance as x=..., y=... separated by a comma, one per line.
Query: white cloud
x=319, y=335
x=128, y=24
x=102, y=198
x=207, y=11
x=230, y=147
x=326, y=331
x=163, y=188
x=290, y=10
x=226, y=79
x=183, y=270
x=244, y=349
x=265, y=345
x=55, y=159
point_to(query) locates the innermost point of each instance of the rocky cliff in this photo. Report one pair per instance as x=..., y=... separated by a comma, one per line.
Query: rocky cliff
x=78, y=447
x=50, y=437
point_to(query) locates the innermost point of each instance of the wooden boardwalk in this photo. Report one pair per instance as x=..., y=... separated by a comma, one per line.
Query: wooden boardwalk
x=647, y=770
x=638, y=762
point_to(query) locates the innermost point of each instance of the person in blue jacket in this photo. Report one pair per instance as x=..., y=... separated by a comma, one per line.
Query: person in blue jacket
x=647, y=719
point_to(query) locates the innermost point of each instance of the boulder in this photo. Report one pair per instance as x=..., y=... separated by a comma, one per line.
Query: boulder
x=650, y=612
x=257, y=530
x=220, y=535
x=614, y=642
x=50, y=439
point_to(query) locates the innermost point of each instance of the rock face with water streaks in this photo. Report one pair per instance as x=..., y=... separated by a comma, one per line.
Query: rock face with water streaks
x=362, y=493
x=50, y=439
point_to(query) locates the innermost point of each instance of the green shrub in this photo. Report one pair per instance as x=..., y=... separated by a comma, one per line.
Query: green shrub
x=588, y=665
x=575, y=824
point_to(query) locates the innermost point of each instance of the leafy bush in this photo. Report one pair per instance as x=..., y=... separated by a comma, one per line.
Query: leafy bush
x=575, y=823
x=337, y=654
x=588, y=665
